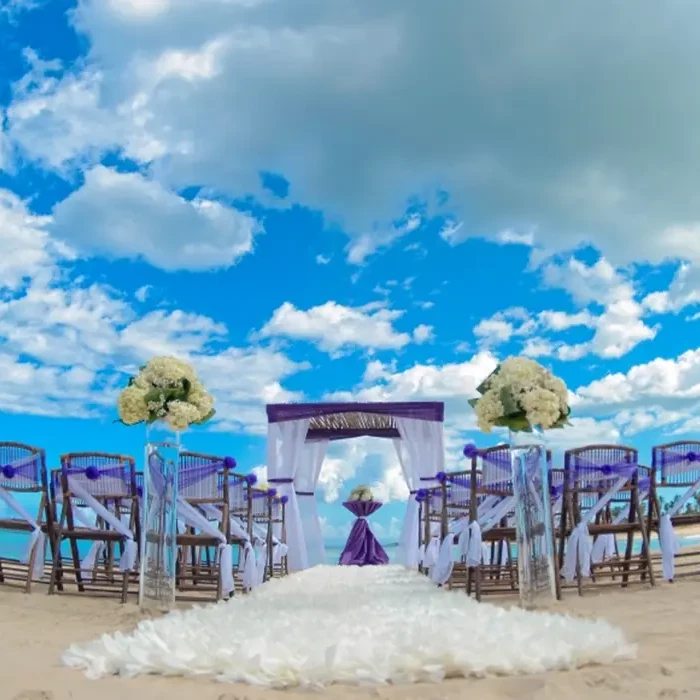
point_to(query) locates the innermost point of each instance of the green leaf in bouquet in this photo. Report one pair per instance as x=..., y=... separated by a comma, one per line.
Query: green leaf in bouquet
x=131, y=381
x=510, y=406
x=473, y=402
x=484, y=386
x=186, y=388
x=517, y=422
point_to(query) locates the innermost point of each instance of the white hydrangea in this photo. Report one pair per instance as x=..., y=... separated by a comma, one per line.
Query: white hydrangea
x=488, y=411
x=536, y=392
x=139, y=402
x=361, y=493
x=181, y=414
x=131, y=405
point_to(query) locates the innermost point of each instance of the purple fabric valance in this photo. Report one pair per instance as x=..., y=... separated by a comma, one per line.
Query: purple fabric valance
x=421, y=410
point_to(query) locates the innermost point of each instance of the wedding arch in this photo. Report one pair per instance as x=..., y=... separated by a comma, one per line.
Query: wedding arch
x=297, y=440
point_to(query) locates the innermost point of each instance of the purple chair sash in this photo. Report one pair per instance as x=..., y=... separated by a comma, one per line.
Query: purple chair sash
x=26, y=467
x=677, y=459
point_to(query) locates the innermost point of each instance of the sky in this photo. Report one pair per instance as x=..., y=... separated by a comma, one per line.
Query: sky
x=351, y=200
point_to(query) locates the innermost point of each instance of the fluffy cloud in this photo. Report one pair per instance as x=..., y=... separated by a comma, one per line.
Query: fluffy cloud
x=335, y=327
x=26, y=249
x=619, y=328
x=125, y=215
x=184, y=86
x=672, y=384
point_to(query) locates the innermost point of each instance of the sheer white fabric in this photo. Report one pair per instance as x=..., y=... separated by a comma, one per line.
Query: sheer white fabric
x=37, y=541
x=305, y=482
x=285, y=449
x=668, y=540
x=128, y=558
x=578, y=546
x=424, y=457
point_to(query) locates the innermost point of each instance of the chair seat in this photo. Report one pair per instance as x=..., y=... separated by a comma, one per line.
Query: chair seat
x=187, y=539
x=19, y=525
x=85, y=533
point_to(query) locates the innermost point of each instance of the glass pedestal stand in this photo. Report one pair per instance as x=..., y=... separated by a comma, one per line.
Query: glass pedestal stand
x=158, y=563
x=533, y=518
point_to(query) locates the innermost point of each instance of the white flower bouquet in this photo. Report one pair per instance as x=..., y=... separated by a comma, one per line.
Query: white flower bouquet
x=165, y=389
x=361, y=493
x=521, y=393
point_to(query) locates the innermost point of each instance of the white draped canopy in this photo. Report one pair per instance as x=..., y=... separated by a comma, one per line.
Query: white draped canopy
x=298, y=438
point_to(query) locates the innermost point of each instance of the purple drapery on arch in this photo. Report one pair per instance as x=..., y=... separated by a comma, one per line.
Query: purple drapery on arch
x=362, y=547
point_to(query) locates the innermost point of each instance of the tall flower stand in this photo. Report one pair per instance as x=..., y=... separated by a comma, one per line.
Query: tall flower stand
x=362, y=547
x=537, y=575
x=158, y=566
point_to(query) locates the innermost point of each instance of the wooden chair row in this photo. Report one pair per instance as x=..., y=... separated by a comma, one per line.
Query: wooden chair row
x=90, y=519
x=603, y=485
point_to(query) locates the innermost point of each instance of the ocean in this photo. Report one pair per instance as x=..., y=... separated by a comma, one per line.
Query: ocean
x=13, y=546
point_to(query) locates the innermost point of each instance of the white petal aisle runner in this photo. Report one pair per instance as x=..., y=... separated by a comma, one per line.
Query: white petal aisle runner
x=334, y=624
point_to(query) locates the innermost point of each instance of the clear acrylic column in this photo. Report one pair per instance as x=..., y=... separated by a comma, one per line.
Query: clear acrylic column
x=533, y=518
x=159, y=532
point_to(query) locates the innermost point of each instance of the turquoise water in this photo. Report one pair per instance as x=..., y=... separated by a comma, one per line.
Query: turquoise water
x=13, y=546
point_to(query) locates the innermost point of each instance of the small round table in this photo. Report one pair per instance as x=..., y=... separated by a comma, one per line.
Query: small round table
x=362, y=547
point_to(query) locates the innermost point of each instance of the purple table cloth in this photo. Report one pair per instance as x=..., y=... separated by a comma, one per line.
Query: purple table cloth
x=362, y=548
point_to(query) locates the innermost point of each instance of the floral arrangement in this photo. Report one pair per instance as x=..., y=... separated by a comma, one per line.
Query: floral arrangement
x=361, y=493
x=521, y=393
x=165, y=389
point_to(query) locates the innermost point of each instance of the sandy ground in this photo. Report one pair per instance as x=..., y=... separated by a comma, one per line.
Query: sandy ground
x=665, y=622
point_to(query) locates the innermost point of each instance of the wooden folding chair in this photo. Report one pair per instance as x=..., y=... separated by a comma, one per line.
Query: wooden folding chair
x=207, y=484
x=596, y=477
x=675, y=467
x=23, y=471
x=98, y=507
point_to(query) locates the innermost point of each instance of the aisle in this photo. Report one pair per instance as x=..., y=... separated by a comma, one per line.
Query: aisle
x=351, y=625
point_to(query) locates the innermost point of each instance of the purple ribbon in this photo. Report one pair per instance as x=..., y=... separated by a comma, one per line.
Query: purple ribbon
x=192, y=475
x=30, y=469
x=669, y=459
x=617, y=470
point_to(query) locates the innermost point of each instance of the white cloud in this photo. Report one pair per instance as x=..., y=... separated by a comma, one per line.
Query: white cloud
x=670, y=384
x=335, y=327
x=142, y=293
x=452, y=232
x=423, y=333
x=363, y=246
x=26, y=249
x=509, y=236
x=322, y=259
x=124, y=215
x=165, y=70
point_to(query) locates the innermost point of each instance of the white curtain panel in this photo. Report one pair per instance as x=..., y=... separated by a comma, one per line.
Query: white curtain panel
x=421, y=454
x=305, y=482
x=285, y=448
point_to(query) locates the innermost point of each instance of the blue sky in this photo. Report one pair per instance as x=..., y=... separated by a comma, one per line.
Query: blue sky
x=335, y=199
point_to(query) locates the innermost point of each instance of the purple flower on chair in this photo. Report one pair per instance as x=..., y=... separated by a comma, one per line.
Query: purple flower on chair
x=421, y=495
x=441, y=477
x=9, y=472
x=692, y=457
x=284, y=499
x=471, y=450
x=251, y=479
x=606, y=469
x=92, y=473
x=272, y=493
x=229, y=462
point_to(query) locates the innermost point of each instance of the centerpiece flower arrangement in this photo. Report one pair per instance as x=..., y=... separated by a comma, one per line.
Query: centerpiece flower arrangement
x=361, y=493
x=166, y=389
x=519, y=394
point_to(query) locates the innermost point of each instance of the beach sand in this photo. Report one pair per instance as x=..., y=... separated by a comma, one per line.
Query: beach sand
x=665, y=622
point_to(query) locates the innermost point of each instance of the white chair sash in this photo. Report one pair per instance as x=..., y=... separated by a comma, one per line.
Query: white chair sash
x=578, y=546
x=249, y=568
x=128, y=558
x=668, y=540
x=442, y=570
x=37, y=541
x=194, y=518
x=604, y=546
